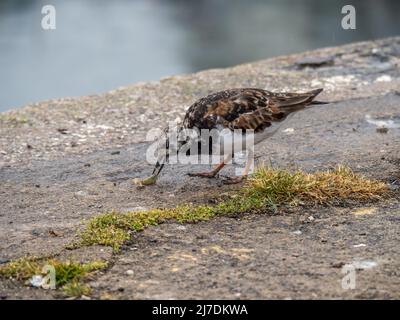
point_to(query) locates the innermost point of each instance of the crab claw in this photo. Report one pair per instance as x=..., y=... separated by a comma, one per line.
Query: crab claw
x=146, y=182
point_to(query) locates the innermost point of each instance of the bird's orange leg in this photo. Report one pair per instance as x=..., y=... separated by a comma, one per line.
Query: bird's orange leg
x=214, y=172
x=210, y=174
x=249, y=164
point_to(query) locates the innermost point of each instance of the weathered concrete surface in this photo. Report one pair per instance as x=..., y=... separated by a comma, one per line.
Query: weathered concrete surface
x=59, y=166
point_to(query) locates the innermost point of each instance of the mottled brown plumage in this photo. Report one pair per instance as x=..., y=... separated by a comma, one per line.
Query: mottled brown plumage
x=247, y=108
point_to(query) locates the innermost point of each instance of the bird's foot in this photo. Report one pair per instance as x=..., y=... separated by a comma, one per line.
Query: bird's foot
x=236, y=180
x=203, y=174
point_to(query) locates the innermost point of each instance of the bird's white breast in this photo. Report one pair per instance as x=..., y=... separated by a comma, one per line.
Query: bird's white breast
x=237, y=141
x=228, y=141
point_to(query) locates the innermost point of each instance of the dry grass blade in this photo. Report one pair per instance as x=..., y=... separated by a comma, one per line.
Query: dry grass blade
x=338, y=185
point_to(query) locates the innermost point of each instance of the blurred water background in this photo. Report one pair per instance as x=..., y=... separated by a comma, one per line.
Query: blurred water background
x=100, y=45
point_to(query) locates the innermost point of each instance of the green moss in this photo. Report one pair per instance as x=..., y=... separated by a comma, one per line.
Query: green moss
x=65, y=272
x=114, y=229
x=104, y=235
x=21, y=269
x=76, y=289
x=268, y=189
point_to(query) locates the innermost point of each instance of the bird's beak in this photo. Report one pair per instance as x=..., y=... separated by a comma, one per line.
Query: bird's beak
x=157, y=169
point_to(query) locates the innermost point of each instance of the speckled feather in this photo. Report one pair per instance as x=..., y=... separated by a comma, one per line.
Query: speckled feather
x=247, y=108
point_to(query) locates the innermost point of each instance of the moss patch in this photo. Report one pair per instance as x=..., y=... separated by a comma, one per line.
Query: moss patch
x=76, y=289
x=67, y=274
x=113, y=229
x=268, y=189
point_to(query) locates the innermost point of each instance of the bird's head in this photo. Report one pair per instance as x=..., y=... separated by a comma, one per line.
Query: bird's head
x=168, y=145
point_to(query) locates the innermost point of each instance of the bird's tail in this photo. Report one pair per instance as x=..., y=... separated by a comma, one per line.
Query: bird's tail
x=313, y=94
x=296, y=101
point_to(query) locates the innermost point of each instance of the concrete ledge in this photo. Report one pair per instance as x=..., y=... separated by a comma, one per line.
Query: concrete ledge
x=65, y=161
x=121, y=117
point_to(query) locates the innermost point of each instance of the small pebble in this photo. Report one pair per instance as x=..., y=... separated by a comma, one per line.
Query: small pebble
x=359, y=245
x=81, y=193
x=129, y=272
x=288, y=130
x=364, y=265
x=62, y=130
x=338, y=264
x=384, y=78
x=36, y=281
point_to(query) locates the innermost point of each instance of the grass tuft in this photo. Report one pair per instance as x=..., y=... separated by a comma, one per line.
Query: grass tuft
x=65, y=272
x=76, y=289
x=327, y=187
x=268, y=189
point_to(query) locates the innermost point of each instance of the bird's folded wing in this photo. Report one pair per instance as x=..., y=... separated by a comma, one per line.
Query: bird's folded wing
x=249, y=110
x=270, y=108
x=289, y=100
x=257, y=120
x=253, y=109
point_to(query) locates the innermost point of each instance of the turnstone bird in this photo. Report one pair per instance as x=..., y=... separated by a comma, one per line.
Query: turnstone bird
x=253, y=110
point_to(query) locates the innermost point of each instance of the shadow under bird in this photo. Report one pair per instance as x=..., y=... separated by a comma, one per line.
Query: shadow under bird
x=258, y=111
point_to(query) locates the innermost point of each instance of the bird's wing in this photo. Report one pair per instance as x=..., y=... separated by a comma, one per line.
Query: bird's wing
x=288, y=101
x=256, y=120
x=245, y=109
x=278, y=107
x=223, y=107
